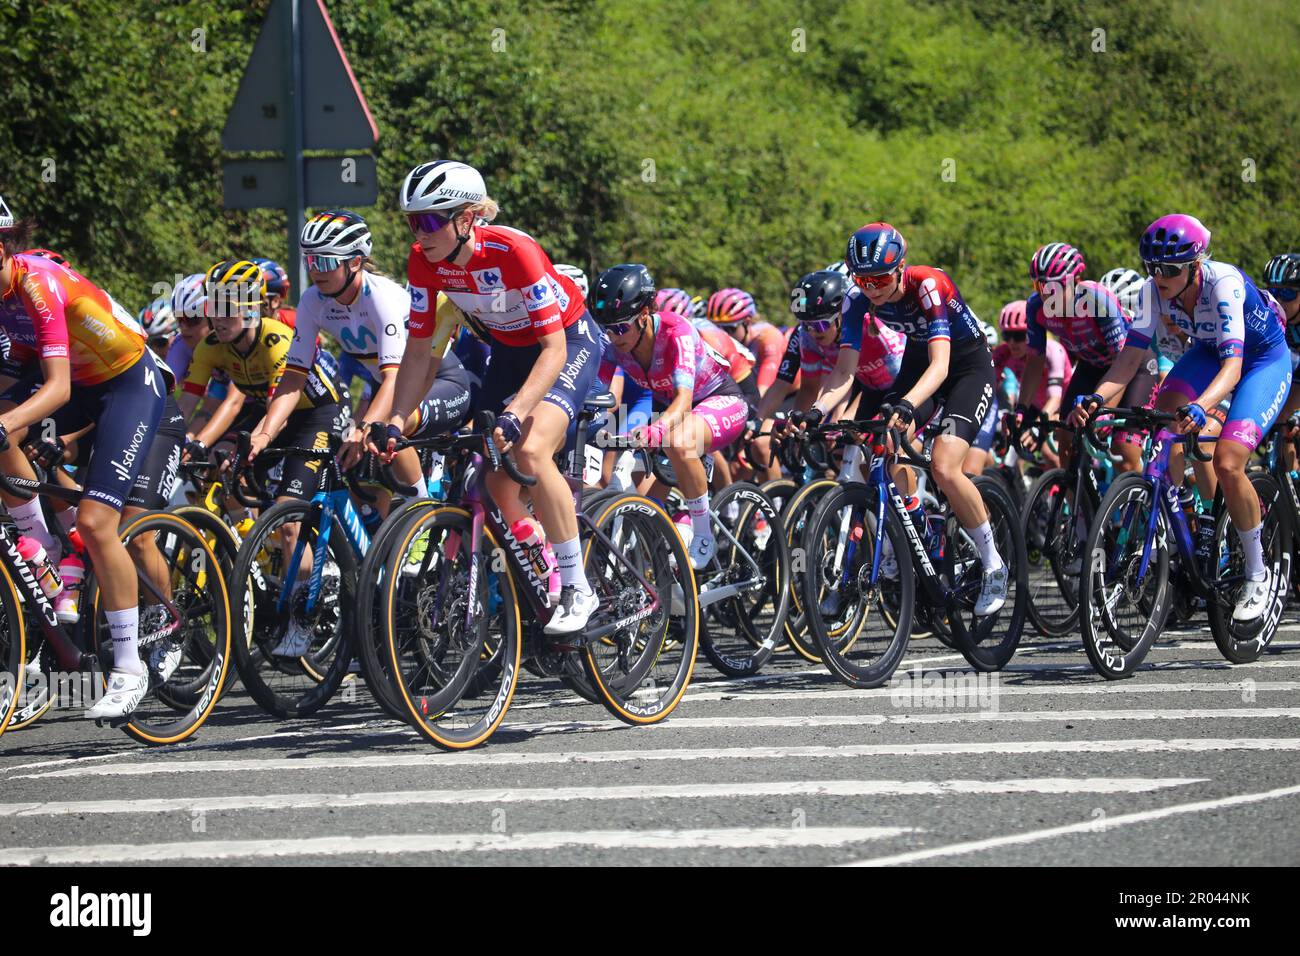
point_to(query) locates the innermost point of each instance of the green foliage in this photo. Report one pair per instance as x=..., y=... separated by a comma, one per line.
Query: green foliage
x=713, y=141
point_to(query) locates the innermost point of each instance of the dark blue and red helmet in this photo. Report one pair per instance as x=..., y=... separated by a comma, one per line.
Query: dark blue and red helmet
x=277, y=280
x=875, y=249
x=1175, y=238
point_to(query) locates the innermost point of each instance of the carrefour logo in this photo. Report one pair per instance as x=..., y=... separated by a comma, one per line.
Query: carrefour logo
x=487, y=279
x=539, y=294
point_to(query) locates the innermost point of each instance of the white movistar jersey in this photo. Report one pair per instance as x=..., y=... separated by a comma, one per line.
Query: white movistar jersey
x=372, y=329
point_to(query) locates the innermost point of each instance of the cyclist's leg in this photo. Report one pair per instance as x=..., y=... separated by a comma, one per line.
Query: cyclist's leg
x=127, y=410
x=1184, y=383
x=153, y=489
x=27, y=514
x=714, y=423
x=1259, y=396
x=978, y=457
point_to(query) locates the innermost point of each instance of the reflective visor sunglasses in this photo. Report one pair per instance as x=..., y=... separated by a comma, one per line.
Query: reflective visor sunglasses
x=318, y=263
x=619, y=328
x=1165, y=270
x=1284, y=295
x=427, y=221
x=876, y=281
x=817, y=325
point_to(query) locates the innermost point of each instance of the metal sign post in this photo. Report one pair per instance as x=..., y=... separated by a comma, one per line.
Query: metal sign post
x=298, y=93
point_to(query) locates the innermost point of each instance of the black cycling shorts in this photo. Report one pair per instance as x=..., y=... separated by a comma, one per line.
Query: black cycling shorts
x=308, y=428
x=1086, y=377
x=160, y=472
x=448, y=403
x=749, y=390
x=511, y=365
x=965, y=394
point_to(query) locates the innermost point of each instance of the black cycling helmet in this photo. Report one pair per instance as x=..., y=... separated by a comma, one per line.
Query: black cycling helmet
x=1283, y=271
x=818, y=295
x=620, y=293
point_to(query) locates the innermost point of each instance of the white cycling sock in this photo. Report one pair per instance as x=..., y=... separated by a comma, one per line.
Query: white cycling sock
x=30, y=520
x=1252, y=550
x=124, y=628
x=699, y=509
x=988, y=549
x=568, y=554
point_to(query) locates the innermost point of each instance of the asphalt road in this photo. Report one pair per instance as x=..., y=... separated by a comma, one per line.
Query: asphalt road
x=1189, y=762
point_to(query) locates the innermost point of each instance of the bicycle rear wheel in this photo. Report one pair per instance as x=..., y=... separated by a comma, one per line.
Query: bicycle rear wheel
x=858, y=642
x=642, y=669
x=795, y=517
x=1124, y=607
x=197, y=650
x=988, y=643
x=1242, y=643
x=1052, y=546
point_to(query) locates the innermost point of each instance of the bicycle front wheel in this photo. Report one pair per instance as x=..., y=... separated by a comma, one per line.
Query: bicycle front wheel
x=861, y=625
x=1125, y=583
x=1054, y=552
x=649, y=610
x=13, y=648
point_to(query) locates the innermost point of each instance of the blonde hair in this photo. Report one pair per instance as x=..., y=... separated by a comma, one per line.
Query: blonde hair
x=486, y=210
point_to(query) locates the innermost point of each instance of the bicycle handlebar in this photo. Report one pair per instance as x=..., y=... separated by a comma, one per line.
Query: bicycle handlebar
x=1149, y=418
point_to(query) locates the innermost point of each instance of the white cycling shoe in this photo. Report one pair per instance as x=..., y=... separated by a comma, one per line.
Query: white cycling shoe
x=573, y=610
x=121, y=697
x=702, y=551
x=993, y=591
x=296, y=641
x=1253, y=600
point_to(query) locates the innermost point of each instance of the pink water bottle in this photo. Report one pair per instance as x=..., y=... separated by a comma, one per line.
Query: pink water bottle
x=73, y=571
x=527, y=532
x=33, y=552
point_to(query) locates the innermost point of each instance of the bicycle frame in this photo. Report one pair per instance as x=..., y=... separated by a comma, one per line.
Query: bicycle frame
x=329, y=502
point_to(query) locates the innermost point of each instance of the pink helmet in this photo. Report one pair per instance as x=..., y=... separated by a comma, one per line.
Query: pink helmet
x=730, y=306
x=1056, y=261
x=1013, y=317
x=674, y=300
x=1175, y=238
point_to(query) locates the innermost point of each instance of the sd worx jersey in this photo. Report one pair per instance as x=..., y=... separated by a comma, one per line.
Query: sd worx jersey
x=1087, y=318
x=509, y=286
x=680, y=359
x=50, y=311
x=258, y=373
x=931, y=308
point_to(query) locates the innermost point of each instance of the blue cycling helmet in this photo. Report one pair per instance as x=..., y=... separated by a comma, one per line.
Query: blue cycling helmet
x=875, y=249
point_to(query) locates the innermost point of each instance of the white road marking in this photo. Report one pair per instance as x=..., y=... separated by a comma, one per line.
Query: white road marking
x=1089, y=826
x=709, y=791
x=731, y=838
x=492, y=758
x=912, y=686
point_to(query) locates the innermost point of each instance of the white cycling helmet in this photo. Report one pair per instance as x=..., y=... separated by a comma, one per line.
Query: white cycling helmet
x=6, y=216
x=190, y=297
x=990, y=333
x=841, y=268
x=1127, y=285
x=577, y=275
x=441, y=185
x=339, y=233
x=157, y=319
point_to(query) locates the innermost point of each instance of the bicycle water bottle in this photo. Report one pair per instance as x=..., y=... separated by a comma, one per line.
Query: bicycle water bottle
x=682, y=521
x=47, y=577
x=529, y=535
x=370, y=519
x=73, y=571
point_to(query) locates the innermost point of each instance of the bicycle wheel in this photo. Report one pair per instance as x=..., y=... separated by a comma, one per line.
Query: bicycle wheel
x=795, y=516
x=988, y=643
x=857, y=641
x=1048, y=524
x=452, y=632
x=740, y=633
x=295, y=686
x=196, y=648
x=13, y=649
x=640, y=670
x=225, y=543
x=1240, y=642
x=1125, y=606
x=369, y=637
x=780, y=490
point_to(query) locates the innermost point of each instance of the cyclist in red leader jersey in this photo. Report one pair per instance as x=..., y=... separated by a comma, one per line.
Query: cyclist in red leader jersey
x=78, y=360
x=545, y=350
